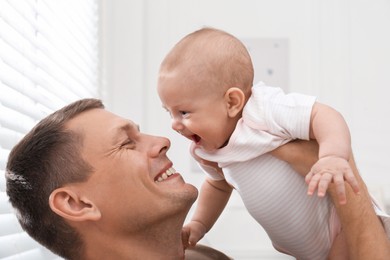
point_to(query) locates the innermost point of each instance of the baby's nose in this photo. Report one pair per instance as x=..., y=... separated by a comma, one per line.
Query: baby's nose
x=177, y=125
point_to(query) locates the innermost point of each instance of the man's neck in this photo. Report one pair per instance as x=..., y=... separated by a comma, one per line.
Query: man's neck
x=162, y=242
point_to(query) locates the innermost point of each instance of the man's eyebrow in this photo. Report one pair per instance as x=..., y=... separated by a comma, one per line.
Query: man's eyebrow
x=122, y=130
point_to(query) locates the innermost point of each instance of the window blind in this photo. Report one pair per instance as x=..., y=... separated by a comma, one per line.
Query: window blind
x=49, y=57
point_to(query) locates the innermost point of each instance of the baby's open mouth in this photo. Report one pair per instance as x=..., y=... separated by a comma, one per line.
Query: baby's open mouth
x=195, y=138
x=165, y=175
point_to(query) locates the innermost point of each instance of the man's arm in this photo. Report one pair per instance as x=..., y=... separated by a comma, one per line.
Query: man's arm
x=204, y=253
x=364, y=233
x=301, y=155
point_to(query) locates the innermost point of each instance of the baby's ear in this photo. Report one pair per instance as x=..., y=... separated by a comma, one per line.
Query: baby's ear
x=70, y=205
x=235, y=100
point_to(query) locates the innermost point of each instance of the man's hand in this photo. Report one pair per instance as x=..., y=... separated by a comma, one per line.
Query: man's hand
x=331, y=169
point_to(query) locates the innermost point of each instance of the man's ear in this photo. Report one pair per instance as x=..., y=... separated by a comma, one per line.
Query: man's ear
x=235, y=100
x=69, y=205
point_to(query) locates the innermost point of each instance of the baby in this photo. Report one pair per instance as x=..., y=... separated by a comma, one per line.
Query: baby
x=206, y=84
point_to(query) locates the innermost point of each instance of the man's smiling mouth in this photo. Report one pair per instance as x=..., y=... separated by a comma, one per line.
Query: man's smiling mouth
x=165, y=175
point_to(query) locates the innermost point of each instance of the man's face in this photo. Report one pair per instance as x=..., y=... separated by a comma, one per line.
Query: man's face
x=132, y=182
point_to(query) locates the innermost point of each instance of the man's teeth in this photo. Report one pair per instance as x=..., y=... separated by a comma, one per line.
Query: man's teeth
x=166, y=174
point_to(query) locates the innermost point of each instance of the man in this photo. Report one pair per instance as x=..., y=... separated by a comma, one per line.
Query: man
x=88, y=184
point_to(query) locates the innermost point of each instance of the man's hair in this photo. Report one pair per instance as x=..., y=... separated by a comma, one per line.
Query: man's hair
x=216, y=56
x=48, y=157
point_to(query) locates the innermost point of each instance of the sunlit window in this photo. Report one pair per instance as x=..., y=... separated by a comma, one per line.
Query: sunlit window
x=49, y=57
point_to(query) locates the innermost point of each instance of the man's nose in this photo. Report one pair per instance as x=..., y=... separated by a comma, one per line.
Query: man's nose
x=158, y=146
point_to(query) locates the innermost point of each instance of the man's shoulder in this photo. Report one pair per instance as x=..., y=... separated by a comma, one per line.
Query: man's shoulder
x=205, y=253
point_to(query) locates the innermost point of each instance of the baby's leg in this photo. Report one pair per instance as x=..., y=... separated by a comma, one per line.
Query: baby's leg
x=339, y=250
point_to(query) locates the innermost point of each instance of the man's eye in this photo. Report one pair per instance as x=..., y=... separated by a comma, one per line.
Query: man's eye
x=129, y=144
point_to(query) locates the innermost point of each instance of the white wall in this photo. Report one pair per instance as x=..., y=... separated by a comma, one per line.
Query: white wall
x=339, y=51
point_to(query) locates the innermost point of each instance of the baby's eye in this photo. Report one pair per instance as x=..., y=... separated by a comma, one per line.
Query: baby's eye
x=183, y=113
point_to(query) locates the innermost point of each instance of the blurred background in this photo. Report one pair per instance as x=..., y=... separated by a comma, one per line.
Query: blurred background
x=55, y=52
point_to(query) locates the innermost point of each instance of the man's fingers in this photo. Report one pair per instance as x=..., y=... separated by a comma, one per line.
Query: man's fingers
x=352, y=181
x=340, y=188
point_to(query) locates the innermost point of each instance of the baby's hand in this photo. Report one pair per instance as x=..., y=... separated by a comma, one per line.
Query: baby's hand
x=331, y=169
x=192, y=233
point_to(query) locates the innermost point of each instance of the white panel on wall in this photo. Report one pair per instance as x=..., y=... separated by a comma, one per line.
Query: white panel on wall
x=270, y=60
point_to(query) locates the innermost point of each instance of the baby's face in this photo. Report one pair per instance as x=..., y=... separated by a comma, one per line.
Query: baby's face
x=197, y=112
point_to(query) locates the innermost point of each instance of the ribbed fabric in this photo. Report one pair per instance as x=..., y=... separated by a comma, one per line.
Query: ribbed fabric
x=274, y=194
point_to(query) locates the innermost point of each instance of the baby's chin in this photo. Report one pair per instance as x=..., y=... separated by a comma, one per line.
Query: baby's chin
x=207, y=147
